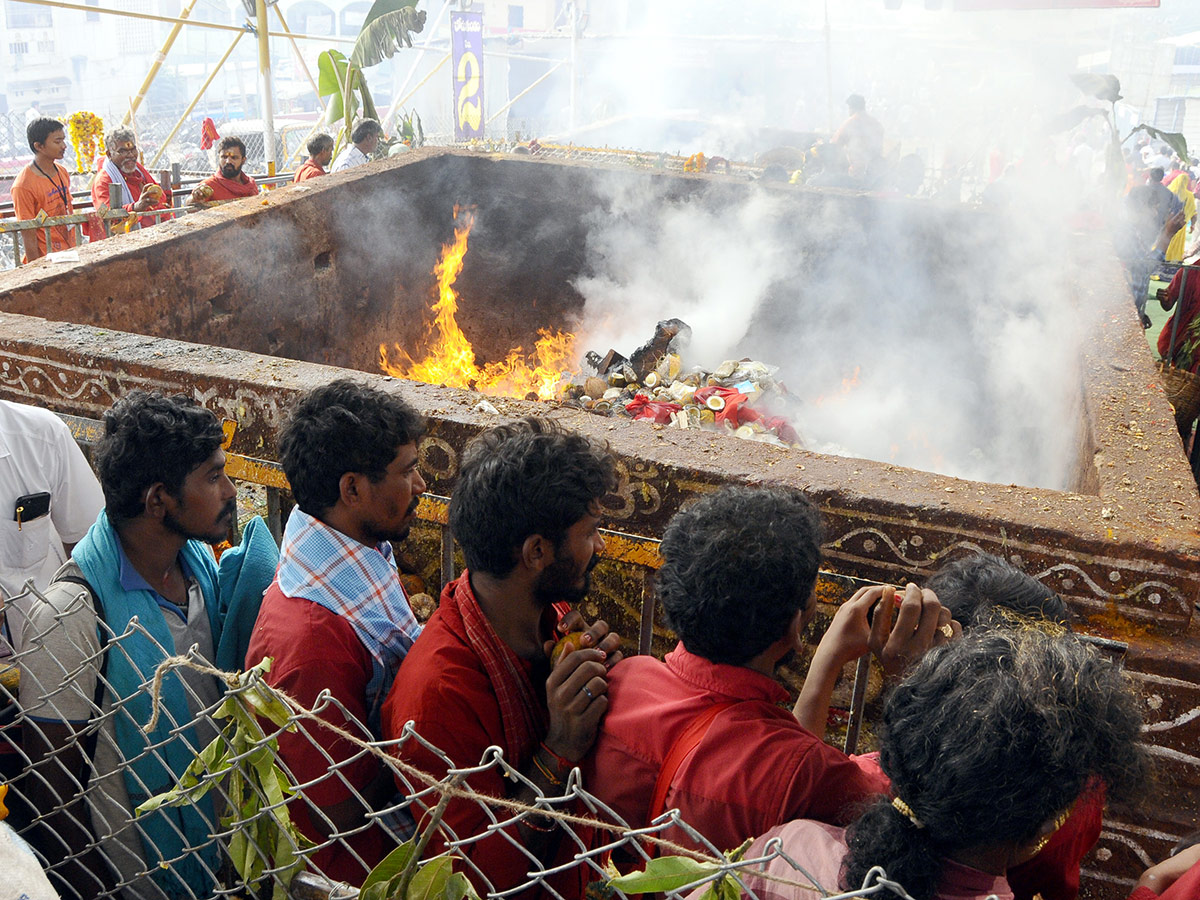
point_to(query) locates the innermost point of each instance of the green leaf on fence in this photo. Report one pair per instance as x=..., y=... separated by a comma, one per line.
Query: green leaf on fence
x=459, y=887
x=666, y=873
x=267, y=704
x=390, y=866
x=429, y=882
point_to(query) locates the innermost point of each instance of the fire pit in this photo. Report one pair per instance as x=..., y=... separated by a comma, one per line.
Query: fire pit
x=276, y=294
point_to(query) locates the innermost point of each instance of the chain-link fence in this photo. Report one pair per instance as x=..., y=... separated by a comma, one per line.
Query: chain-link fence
x=87, y=735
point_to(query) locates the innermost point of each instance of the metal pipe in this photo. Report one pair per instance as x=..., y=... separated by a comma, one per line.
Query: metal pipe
x=159, y=59
x=151, y=17
x=299, y=56
x=572, y=121
x=420, y=84
x=540, y=79
x=412, y=70
x=266, y=100
x=200, y=93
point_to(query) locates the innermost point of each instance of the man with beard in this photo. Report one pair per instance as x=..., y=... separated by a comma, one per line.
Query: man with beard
x=525, y=512
x=336, y=618
x=704, y=731
x=230, y=182
x=121, y=167
x=85, y=662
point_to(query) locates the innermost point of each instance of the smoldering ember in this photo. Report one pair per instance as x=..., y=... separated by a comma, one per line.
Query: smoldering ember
x=943, y=370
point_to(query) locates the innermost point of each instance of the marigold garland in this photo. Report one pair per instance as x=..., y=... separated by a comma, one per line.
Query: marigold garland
x=86, y=131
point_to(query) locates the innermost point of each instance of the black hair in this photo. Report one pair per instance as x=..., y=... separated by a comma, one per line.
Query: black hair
x=342, y=427
x=364, y=130
x=319, y=143
x=988, y=739
x=1157, y=174
x=521, y=479
x=737, y=567
x=39, y=130
x=976, y=587
x=149, y=438
x=856, y=102
x=230, y=142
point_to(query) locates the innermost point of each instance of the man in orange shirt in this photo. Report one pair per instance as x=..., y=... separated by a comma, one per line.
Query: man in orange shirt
x=320, y=154
x=44, y=186
x=230, y=183
x=121, y=167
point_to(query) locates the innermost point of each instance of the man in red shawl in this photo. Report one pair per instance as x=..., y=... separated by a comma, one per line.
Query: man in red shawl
x=230, y=183
x=121, y=167
x=526, y=513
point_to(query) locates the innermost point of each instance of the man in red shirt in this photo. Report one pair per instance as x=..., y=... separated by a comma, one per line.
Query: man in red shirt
x=121, y=167
x=704, y=731
x=44, y=186
x=320, y=153
x=525, y=512
x=230, y=183
x=336, y=617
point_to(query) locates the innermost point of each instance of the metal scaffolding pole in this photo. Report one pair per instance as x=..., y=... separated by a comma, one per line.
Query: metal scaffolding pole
x=266, y=100
x=159, y=59
x=200, y=93
x=150, y=17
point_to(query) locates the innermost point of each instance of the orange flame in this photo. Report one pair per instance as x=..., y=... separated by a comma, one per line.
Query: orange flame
x=848, y=384
x=450, y=359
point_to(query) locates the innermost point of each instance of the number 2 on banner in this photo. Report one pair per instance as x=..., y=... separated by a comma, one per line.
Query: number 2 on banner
x=470, y=105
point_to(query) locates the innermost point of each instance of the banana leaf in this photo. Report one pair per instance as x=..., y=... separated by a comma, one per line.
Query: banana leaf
x=1173, y=139
x=1101, y=86
x=389, y=25
x=1068, y=120
x=332, y=67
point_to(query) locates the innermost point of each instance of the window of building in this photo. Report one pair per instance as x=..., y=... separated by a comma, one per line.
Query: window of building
x=17, y=48
x=92, y=16
x=1187, y=56
x=26, y=15
x=45, y=46
x=352, y=17
x=311, y=17
x=516, y=16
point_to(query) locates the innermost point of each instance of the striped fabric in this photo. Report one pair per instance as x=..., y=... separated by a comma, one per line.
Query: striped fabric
x=358, y=583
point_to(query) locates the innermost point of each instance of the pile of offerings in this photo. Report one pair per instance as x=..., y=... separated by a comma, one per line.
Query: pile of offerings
x=653, y=385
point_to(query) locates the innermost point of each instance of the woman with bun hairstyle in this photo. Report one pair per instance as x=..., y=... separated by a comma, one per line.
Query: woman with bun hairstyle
x=989, y=742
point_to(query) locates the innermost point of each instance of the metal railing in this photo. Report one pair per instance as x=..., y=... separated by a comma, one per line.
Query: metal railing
x=67, y=754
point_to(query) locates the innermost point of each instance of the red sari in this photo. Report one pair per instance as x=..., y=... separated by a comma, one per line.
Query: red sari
x=1187, y=336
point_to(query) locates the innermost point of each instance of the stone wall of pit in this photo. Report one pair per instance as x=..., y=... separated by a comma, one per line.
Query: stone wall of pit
x=883, y=523
x=265, y=276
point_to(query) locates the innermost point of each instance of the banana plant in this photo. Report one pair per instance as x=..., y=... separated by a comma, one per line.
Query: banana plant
x=388, y=26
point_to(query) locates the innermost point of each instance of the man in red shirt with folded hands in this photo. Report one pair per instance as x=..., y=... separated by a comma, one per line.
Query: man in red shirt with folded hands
x=526, y=513
x=704, y=731
x=121, y=167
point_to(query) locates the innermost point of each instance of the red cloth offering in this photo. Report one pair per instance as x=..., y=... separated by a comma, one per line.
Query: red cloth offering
x=659, y=411
x=208, y=133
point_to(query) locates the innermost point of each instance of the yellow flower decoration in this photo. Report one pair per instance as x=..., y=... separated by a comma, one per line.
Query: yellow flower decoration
x=695, y=163
x=86, y=132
